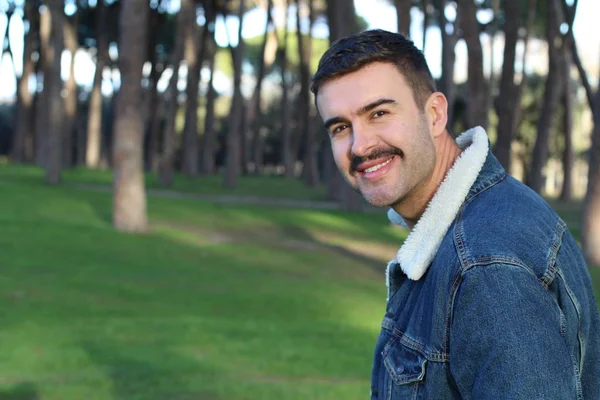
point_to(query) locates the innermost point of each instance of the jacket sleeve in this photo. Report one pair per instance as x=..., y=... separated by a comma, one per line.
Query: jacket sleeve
x=505, y=338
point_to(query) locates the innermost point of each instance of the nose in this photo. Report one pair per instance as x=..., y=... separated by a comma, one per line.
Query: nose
x=363, y=141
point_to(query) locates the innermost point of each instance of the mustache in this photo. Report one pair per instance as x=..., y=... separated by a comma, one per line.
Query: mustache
x=375, y=154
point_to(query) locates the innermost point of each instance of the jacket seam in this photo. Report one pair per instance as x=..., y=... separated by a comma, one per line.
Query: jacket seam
x=458, y=234
x=412, y=344
x=551, y=267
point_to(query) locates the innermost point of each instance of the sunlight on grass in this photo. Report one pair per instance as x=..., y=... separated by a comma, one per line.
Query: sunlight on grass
x=215, y=302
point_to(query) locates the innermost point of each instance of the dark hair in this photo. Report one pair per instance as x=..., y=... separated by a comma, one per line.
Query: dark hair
x=351, y=53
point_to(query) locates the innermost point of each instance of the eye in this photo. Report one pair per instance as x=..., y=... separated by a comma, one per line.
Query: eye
x=338, y=129
x=379, y=113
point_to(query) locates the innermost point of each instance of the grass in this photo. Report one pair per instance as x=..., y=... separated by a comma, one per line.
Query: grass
x=216, y=302
x=262, y=186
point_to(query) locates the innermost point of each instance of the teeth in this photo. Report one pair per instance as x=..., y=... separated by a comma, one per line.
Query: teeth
x=375, y=168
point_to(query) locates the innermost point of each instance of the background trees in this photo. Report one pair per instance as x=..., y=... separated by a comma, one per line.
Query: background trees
x=170, y=91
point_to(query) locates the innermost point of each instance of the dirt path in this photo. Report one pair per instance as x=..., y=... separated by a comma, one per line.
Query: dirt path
x=233, y=199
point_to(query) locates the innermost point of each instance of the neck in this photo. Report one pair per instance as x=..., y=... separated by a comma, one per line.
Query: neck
x=446, y=154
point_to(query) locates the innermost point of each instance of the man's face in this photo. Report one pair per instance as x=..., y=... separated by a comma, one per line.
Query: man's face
x=380, y=139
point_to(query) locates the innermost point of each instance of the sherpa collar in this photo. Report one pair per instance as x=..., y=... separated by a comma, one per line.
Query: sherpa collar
x=421, y=245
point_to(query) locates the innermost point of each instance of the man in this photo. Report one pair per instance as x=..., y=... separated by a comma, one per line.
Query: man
x=489, y=297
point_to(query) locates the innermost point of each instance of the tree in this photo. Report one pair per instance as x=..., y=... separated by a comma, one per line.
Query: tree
x=286, y=137
x=169, y=146
x=209, y=138
x=448, y=31
x=590, y=224
x=234, y=138
x=52, y=90
x=193, y=62
x=342, y=22
x=129, y=203
x=552, y=93
x=71, y=99
x=155, y=105
x=310, y=171
x=23, y=144
x=509, y=98
x=266, y=58
x=403, y=16
x=477, y=86
x=94, y=119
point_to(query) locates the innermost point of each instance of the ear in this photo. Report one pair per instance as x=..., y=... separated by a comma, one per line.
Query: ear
x=436, y=110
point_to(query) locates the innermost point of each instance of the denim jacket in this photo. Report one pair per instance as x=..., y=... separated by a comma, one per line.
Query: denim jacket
x=489, y=297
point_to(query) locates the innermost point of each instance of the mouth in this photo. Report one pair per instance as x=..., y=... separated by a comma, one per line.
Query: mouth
x=374, y=171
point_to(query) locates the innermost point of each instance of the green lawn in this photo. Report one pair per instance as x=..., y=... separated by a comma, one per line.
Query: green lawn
x=216, y=302
x=265, y=186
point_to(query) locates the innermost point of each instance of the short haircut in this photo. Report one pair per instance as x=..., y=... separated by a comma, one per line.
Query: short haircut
x=351, y=53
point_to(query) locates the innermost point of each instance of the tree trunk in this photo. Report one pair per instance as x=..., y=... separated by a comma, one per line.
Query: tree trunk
x=154, y=114
x=71, y=44
x=568, y=108
x=254, y=108
x=129, y=213
x=425, y=22
x=449, y=40
x=153, y=126
x=590, y=224
x=169, y=147
x=52, y=88
x=22, y=150
x=552, y=93
x=516, y=112
x=193, y=62
x=477, y=87
x=403, y=16
x=569, y=12
x=310, y=168
x=207, y=156
x=286, y=136
x=234, y=139
x=94, y=121
x=568, y=156
x=343, y=16
x=41, y=109
x=508, y=89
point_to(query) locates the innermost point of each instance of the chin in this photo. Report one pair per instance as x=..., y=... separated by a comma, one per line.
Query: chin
x=379, y=199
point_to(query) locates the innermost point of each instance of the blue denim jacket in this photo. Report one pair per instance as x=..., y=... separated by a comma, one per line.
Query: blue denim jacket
x=489, y=297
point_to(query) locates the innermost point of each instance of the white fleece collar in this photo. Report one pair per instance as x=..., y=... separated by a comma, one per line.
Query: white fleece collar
x=422, y=244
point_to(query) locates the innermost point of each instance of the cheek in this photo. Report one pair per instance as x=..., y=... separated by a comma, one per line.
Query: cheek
x=341, y=150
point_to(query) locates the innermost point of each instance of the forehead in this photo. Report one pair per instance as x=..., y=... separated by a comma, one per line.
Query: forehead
x=343, y=96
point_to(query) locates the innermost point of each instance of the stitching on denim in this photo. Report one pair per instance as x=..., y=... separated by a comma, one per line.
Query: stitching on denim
x=578, y=310
x=507, y=260
x=450, y=312
x=458, y=240
x=387, y=324
x=413, y=344
x=578, y=385
x=551, y=268
x=400, y=380
x=415, y=390
x=501, y=178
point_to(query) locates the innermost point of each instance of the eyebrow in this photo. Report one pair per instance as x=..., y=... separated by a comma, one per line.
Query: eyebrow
x=366, y=108
x=363, y=110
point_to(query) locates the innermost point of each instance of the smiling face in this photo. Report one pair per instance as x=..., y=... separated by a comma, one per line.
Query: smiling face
x=382, y=142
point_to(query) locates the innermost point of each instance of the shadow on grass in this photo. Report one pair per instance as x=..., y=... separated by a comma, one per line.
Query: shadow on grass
x=22, y=391
x=149, y=373
x=303, y=236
